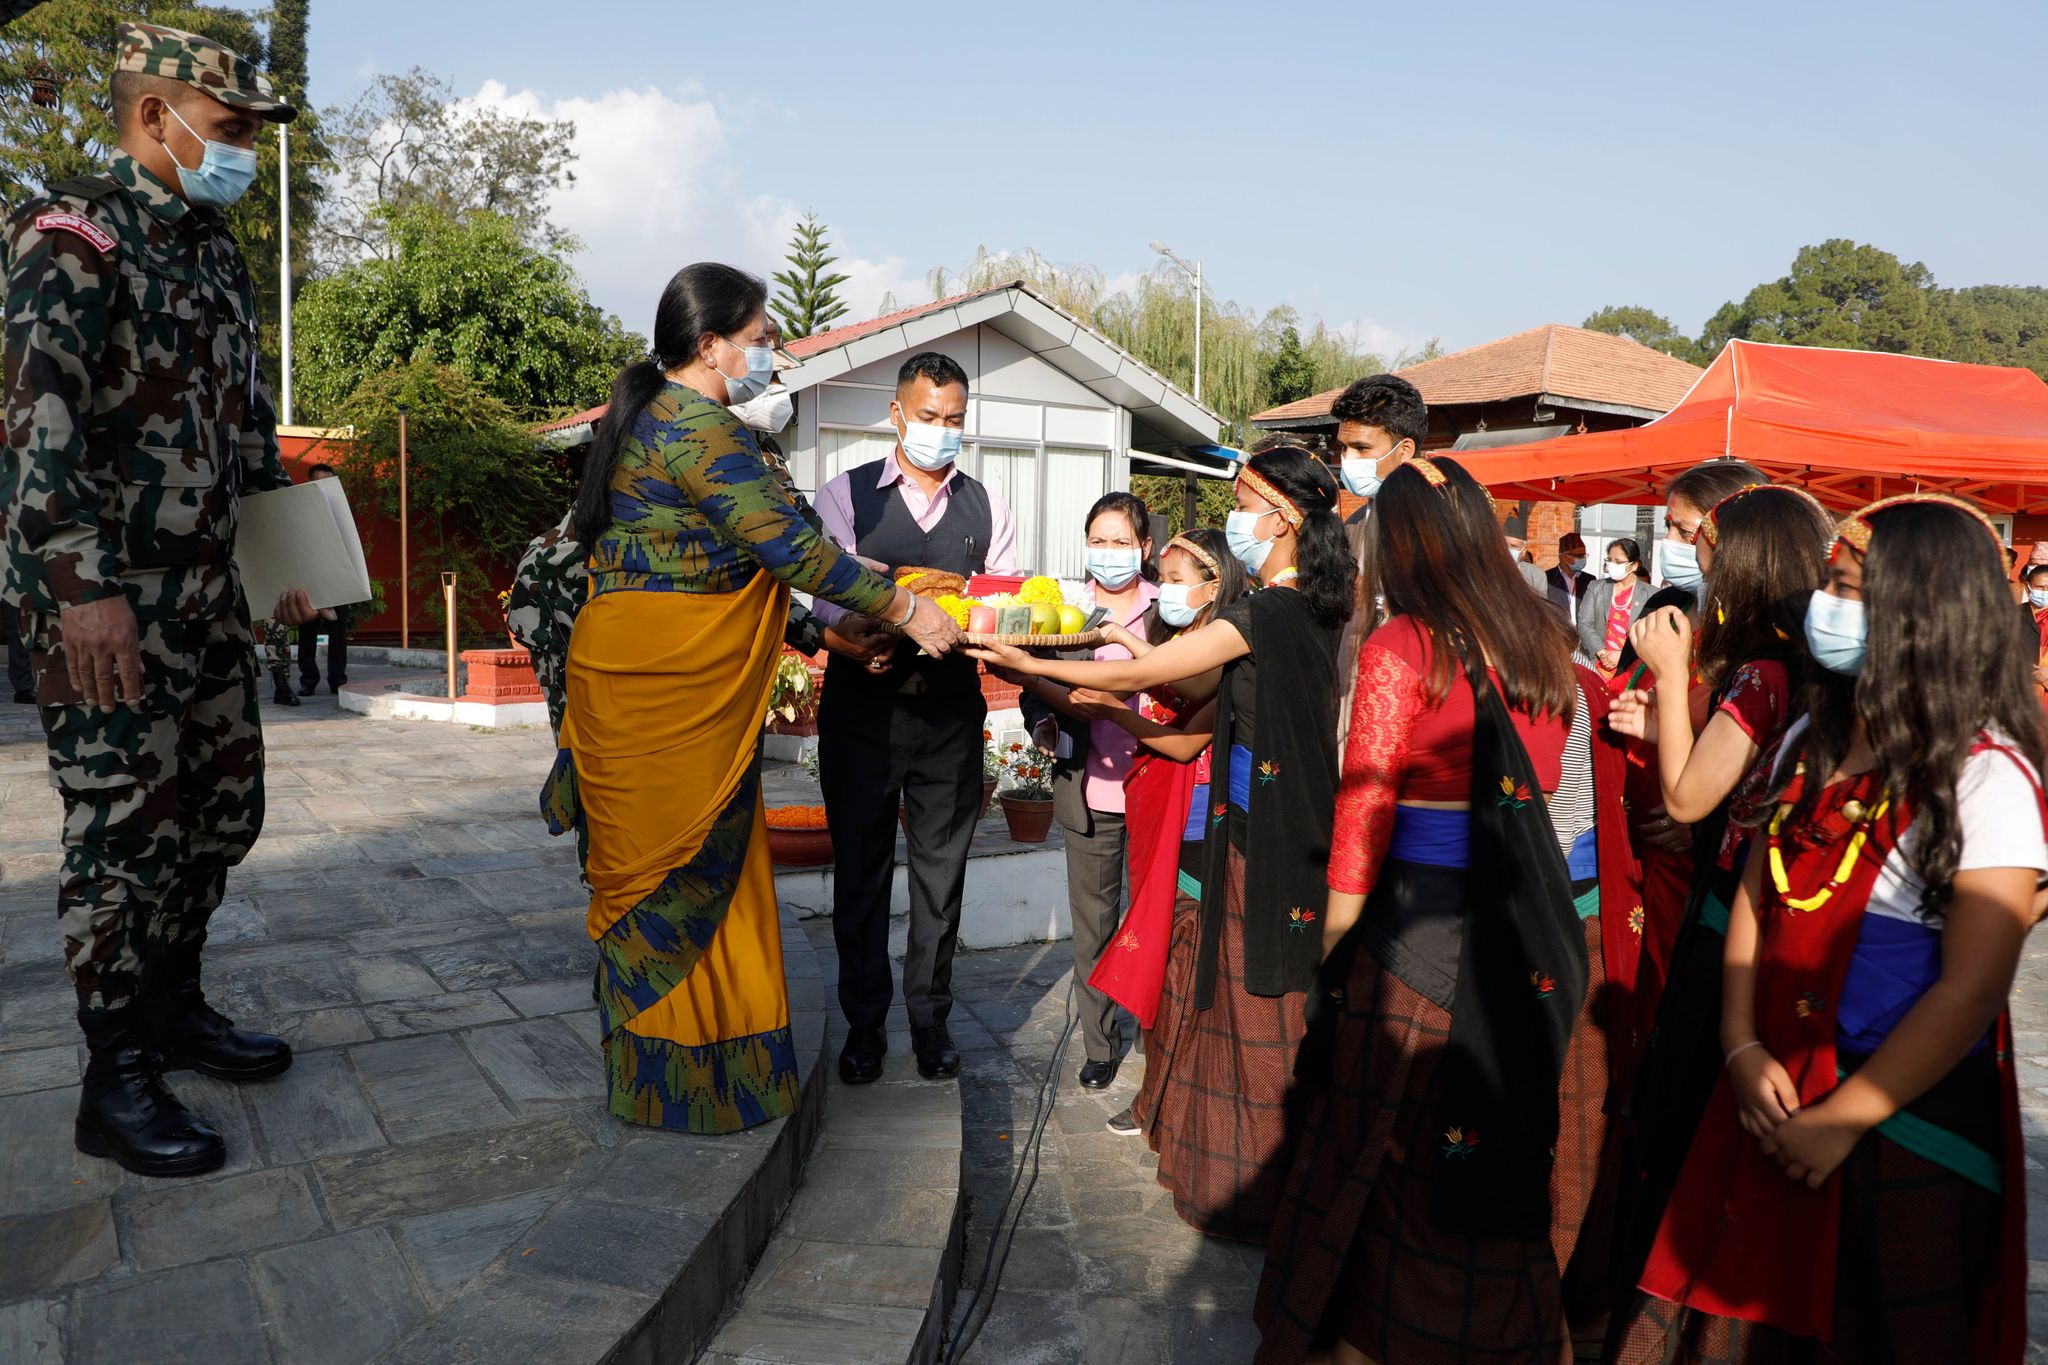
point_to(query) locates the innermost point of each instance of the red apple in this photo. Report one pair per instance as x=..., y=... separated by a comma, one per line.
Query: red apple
x=981, y=620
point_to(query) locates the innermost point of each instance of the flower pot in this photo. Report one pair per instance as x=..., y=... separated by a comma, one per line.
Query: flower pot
x=988, y=795
x=1028, y=820
x=799, y=847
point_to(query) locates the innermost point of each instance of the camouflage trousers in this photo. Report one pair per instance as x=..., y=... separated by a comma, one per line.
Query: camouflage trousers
x=160, y=800
x=276, y=652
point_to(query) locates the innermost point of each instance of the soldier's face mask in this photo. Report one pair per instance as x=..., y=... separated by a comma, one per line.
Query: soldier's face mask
x=223, y=175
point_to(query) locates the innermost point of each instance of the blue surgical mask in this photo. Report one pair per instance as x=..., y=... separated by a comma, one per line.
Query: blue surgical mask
x=1113, y=568
x=760, y=373
x=930, y=447
x=1836, y=632
x=1682, y=566
x=1239, y=532
x=2038, y=596
x=1361, y=477
x=1174, y=607
x=223, y=175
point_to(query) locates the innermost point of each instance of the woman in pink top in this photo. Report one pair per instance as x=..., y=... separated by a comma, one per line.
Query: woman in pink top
x=1611, y=606
x=1091, y=757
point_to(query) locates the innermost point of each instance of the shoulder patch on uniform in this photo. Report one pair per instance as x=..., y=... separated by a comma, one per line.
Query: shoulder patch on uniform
x=55, y=221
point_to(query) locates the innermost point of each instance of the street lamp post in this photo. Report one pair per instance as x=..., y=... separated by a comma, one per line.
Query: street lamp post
x=284, y=274
x=404, y=550
x=1194, y=273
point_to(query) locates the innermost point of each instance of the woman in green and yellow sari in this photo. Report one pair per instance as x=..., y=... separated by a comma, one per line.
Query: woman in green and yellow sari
x=694, y=548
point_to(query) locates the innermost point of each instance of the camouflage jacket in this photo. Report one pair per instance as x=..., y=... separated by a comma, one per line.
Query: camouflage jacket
x=136, y=412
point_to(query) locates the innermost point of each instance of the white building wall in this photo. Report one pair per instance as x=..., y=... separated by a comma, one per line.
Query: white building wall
x=1045, y=442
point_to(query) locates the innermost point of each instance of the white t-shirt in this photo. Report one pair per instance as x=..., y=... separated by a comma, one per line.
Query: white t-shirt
x=2000, y=813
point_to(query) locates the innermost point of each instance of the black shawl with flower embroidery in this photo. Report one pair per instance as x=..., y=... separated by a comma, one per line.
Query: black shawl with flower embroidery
x=1279, y=703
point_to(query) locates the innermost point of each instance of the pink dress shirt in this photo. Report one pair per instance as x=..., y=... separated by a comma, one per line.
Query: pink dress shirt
x=1111, y=748
x=835, y=508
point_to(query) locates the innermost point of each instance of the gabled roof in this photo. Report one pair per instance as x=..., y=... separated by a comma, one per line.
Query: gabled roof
x=1553, y=361
x=1162, y=416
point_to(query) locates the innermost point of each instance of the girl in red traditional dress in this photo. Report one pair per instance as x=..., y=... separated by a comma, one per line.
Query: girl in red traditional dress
x=1855, y=1191
x=1416, y=1223
x=1167, y=804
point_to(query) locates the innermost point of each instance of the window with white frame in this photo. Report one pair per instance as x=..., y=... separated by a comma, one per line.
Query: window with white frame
x=840, y=450
x=1074, y=479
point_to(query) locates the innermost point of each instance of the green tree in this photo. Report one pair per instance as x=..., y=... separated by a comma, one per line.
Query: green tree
x=474, y=294
x=477, y=488
x=408, y=140
x=1166, y=495
x=1838, y=293
x=1290, y=373
x=808, y=301
x=1642, y=325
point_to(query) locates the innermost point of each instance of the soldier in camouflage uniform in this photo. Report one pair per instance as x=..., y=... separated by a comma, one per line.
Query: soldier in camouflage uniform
x=277, y=658
x=135, y=417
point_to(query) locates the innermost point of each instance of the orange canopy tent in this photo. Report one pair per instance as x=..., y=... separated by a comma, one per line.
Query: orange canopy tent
x=1849, y=426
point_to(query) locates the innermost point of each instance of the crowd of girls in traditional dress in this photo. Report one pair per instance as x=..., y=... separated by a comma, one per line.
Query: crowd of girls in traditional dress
x=1647, y=1007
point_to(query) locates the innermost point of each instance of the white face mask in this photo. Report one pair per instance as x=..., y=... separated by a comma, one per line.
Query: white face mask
x=769, y=413
x=929, y=447
x=1620, y=572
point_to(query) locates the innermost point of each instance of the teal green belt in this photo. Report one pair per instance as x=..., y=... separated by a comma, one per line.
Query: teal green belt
x=1941, y=1147
x=1714, y=914
x=1588, y=905
x=1189, y=887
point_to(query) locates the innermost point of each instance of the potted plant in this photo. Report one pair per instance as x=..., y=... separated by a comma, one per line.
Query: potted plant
x=798, y=837
x=1027, y=801
x=793, y=700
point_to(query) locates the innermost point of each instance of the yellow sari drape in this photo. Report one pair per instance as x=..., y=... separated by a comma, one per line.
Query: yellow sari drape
x=666, y=693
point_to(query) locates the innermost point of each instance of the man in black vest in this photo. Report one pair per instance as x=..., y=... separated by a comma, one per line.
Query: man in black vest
x=1569, y=580
x=901, y=725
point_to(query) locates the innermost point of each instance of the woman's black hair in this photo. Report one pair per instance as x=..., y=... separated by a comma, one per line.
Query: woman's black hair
x=1772, y=552
x=1436, y=554
x=1137, y=514
x=1231, y=581
x=1706, y=484
x=700, y=300
x=1326, y=574
x=2027, y=574
x=1631, y=547
x=1937, y=673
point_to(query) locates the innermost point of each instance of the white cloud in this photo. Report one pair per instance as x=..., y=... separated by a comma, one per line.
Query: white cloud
x=1385, y=342
x=657, y=187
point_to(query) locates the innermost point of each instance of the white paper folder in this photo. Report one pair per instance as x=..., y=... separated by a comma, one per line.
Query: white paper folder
x=300, y=537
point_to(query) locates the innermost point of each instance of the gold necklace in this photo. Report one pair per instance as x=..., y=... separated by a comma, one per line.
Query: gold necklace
x=1857, y=839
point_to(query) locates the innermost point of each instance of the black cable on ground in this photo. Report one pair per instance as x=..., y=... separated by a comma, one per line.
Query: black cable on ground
x=968, y=1327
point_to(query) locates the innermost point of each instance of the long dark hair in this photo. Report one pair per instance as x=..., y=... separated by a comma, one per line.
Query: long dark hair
x=1231, y=581
x=1326, y=575
x=1438, y=557
x=1770, y=553
x=699, y=300
x=1938, y=669
x=1137, y=514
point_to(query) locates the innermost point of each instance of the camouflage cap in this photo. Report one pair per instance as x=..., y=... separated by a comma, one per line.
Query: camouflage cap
x=202, y=63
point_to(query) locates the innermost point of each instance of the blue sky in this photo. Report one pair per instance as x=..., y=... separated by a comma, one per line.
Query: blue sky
x=1452, y=170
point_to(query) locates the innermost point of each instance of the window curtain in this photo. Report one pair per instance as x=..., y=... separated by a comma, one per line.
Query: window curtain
x=839, y=451
x=1074, y=479
x=1013, y=476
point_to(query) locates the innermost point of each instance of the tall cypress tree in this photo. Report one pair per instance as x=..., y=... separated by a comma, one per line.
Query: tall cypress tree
x=807, y=300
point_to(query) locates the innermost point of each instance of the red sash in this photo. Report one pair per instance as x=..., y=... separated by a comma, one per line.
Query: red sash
x=1741, y=1240
x=1157, y=790
x=1621, y=890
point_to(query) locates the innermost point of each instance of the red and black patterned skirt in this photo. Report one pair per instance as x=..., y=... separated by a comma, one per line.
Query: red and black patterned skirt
x=1218, y=1082
x=1354, y=1251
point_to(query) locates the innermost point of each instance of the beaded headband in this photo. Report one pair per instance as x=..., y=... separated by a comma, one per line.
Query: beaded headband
x=1855, y=530
x=1710, y=524
x=1200, y=555
x=1434, y=476
x=1258, y=483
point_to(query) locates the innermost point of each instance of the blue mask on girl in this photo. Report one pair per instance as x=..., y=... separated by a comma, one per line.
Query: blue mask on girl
x=1836, y=631
x=1239, y=533
x=1174, y=607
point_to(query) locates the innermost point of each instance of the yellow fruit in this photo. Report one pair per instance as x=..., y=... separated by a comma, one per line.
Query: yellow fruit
x=1045, y=619
x=1072, y=619
x=1040, y=589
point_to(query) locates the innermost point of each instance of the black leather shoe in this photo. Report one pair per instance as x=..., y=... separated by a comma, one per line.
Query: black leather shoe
x=185, y=1031
x=285, y=696
x=307, y=689
x=936, y=1056
x=860, y=1061
x=24, y=699
x=1097, y=1075
x=125, y=1111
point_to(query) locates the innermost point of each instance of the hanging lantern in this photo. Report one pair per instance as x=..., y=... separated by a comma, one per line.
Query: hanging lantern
x=42, y=85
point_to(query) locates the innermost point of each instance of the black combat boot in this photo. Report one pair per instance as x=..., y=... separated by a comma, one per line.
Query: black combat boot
x=125, y=1111
x=185, y=1031
x=285, y=696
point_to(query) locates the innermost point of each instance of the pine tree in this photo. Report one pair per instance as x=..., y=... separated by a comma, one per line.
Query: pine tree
x=807, y=301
